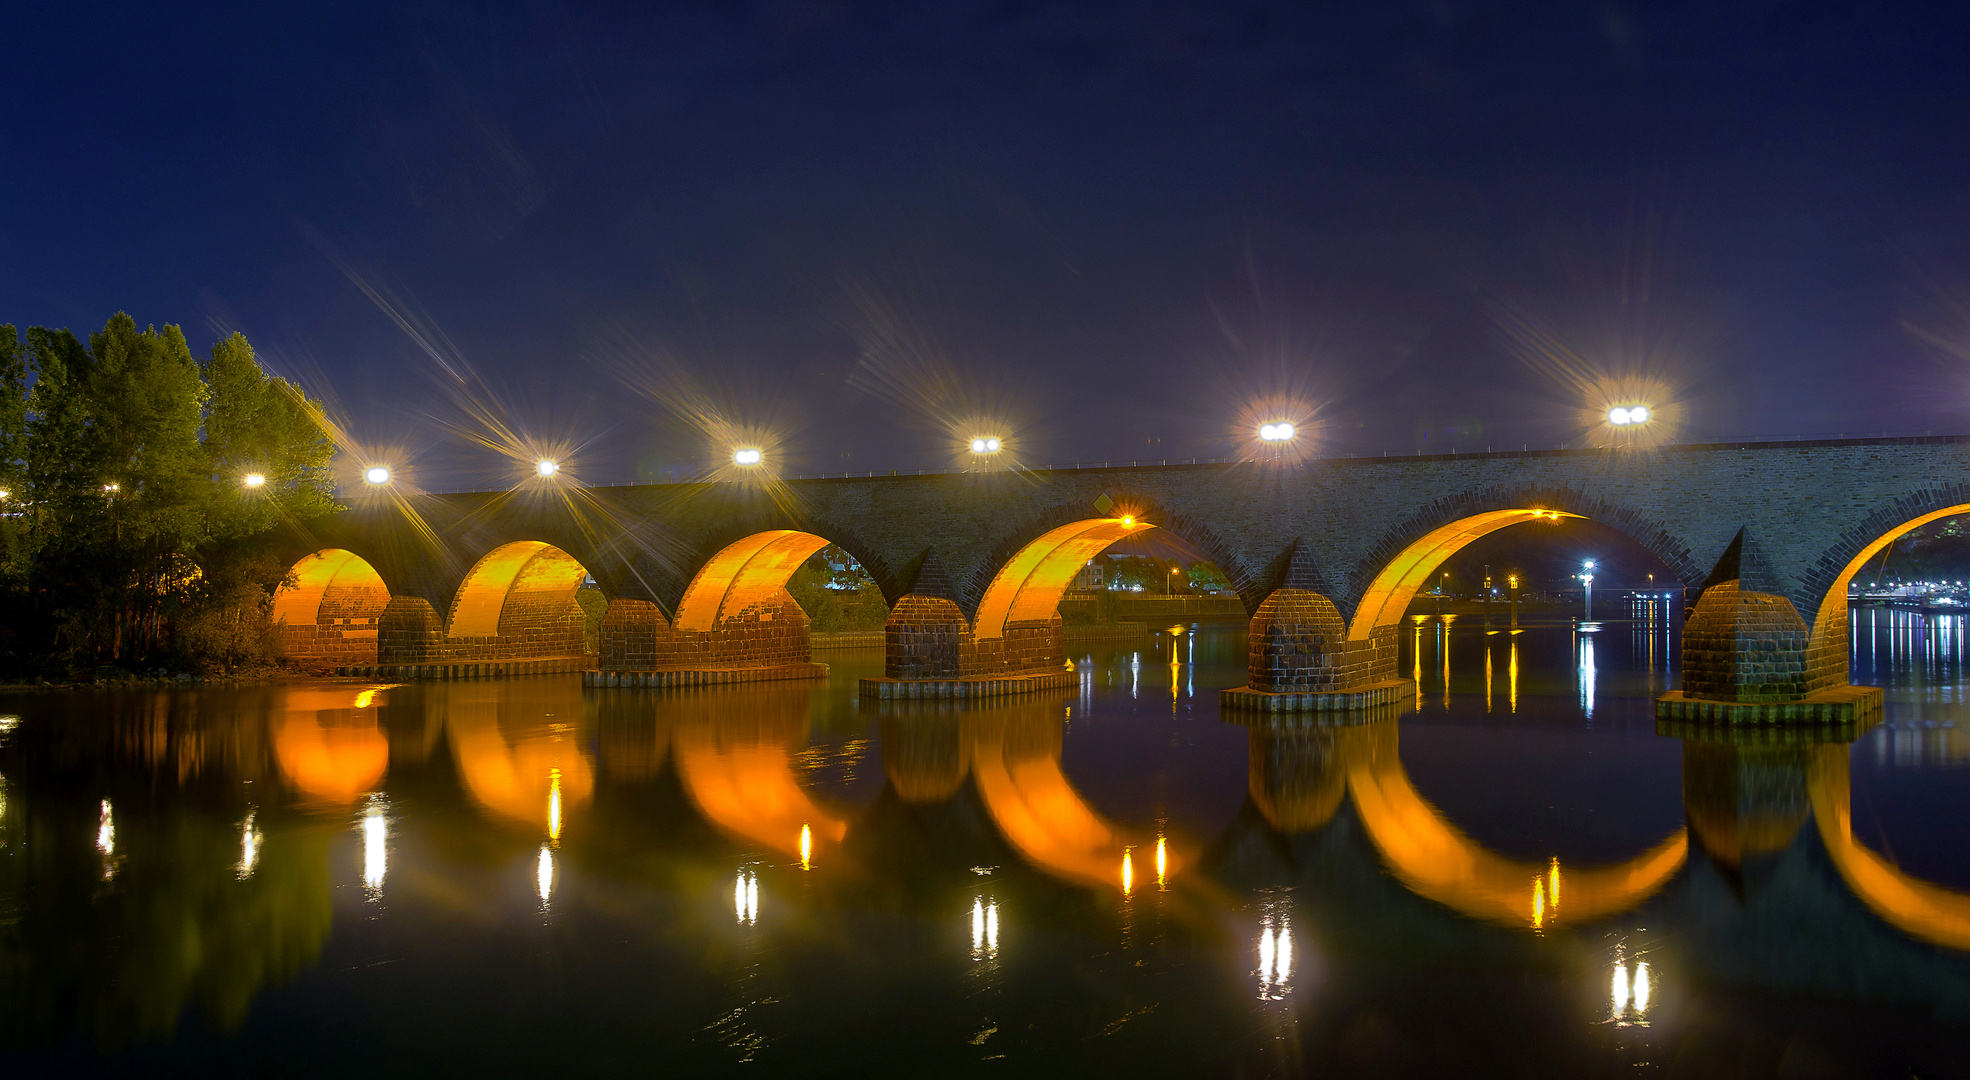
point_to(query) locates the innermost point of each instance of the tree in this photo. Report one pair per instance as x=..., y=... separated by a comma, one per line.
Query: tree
x=123, y=463
x=1206, y=577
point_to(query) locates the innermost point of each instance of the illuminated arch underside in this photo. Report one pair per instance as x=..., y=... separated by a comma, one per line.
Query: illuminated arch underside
x=749, y=572
x=1031, y=583
x=1832, y=616
x=1389, y=594
x=522, y=572
x=315, y=575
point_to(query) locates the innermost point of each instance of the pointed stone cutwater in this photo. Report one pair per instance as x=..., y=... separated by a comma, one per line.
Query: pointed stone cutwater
x=1300, y=657
x=1745, y=653
x=925, y=635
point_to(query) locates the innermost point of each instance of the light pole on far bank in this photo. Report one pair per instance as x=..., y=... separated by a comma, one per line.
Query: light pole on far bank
x=1587, y=583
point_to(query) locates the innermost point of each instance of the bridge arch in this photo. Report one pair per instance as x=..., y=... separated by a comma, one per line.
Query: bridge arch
x=1409, y=554
x=1827, y=581
x=1031, y=557
x=330, y=608
x=518, y=602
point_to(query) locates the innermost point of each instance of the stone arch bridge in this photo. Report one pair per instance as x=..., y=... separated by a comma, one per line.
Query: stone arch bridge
x=1326, y=556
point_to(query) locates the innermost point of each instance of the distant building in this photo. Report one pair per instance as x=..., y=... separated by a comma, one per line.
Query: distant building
x=1089, y=577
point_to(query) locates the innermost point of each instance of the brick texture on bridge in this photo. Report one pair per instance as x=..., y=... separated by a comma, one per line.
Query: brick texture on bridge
x=1814, y=506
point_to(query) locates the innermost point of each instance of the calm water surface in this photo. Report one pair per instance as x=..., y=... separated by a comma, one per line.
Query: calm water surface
x=1518, y=874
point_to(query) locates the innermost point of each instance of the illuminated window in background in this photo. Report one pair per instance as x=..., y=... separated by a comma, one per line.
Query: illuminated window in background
x=745, y=898
x=984, y=929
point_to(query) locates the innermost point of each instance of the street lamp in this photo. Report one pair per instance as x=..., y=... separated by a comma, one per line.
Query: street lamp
x=985, y=445
x=546, y=468
x=746, y=456
x=1587, y=583
x=377, y=474
x=1169, y=585
x=1275, y=433
x=1629, y=415
x=253, y=480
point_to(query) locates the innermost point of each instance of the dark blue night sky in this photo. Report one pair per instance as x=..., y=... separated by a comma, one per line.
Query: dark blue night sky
x=1112, y=226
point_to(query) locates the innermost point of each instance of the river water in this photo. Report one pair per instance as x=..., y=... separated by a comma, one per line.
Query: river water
x=1517, y=874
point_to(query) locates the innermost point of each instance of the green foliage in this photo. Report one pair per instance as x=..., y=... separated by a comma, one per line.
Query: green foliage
x=123, y=464
x=1206, y=577
x=837, y=594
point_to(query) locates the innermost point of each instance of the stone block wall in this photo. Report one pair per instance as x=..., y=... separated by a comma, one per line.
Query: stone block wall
x=1298, y=644
x=925, y=638
x=630, y=629
x=764, y=634
x=1740, y=645
x=409, y=632
x=345, y=626
x=636, y=637
x=928, y=638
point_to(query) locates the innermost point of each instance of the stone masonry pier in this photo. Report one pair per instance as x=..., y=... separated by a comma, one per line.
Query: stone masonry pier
x=1325, y=556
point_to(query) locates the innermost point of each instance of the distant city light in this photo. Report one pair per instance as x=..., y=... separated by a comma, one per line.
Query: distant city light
x=1276, y=432
x=1624, y=417
x=377, y=474
x=747, y=456
x=254, y=480
x=546, y=468
x=985, y=446
x=112, y=487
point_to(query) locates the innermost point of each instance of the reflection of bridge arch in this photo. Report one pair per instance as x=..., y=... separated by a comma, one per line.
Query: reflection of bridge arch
x=1922, y=910
x=1432, y=857
x=734, y=752
x=328, y=745
x=517, y=750
x=1012, y=753
x=329, y=611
